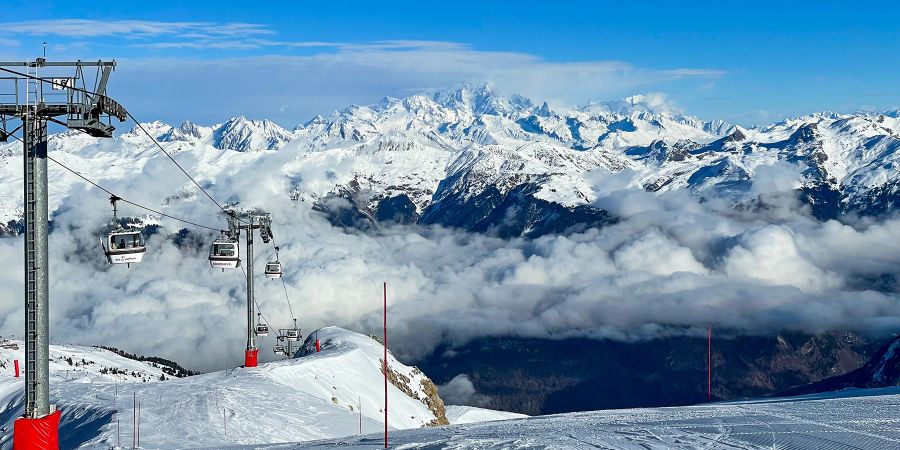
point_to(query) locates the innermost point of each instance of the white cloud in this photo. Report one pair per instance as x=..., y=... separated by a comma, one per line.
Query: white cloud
x=771, y=254
x=461, y=391
x=695, y=72
x=653, y=252
x=360, y=74
x=82, y=28
x=325, y=75
x=665, y=267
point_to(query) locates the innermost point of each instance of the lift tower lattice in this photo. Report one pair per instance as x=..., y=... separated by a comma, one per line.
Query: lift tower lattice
x=263, y=223
x=69, y=101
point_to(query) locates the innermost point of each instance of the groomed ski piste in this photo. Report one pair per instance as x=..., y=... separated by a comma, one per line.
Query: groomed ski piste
x=851, y=419
x=313, y=401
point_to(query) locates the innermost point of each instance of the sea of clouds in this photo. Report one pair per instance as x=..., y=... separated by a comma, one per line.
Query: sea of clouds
x=671, y=264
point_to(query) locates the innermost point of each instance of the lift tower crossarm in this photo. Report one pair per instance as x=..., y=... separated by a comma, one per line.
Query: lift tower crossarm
x=40, y=62
x=85, y=109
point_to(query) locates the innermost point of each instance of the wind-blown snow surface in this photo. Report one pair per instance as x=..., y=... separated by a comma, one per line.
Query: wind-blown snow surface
x=856, y=419
x=684, y=223
x=458, y=415
x=314, y=396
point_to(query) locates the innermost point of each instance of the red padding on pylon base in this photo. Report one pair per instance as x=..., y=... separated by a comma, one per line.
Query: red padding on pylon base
x=37, y=434
x=250, y=357
x=318, y=347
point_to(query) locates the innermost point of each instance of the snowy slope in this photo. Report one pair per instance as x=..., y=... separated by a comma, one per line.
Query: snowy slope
x=80, y=377
x=88, y=364
x=313, y=396
x=458, y=415
x=846, y=420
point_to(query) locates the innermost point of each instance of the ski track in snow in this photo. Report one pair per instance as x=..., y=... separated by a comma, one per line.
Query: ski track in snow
x=852, y=419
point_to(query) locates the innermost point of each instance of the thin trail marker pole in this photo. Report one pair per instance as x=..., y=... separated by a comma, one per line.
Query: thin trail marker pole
x=133, y=419
x=139, y=425
x=709, y=363
x=385, y=370
x=360, y=415
x=224, y=422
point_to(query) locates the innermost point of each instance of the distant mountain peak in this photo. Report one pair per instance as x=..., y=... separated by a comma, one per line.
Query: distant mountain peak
x=639, y=103
x=242, y=134
x=481, y=99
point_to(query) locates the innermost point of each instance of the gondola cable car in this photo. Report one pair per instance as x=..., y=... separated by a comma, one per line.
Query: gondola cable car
x=123, y=245
x=273, y=270
x=292, y=334
x=262, y=328
x=224, y=253
x=279, y=346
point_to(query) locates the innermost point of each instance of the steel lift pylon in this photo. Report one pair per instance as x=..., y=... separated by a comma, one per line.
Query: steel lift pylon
x=36, y=98
x=251, y=222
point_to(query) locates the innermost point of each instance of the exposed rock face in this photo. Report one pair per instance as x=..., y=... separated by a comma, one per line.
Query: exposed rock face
x=882, y=370
x=430, y=398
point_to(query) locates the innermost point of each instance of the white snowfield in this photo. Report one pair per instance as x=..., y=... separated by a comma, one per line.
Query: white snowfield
x=312, y=396
x=313, y=400
x=458, y=415
x=853, y=419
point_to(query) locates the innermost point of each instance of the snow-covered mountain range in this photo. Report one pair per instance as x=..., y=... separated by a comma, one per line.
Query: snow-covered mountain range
x=473, y=159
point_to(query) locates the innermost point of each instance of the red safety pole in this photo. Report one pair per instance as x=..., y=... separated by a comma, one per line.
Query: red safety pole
x=17, y=368
x=709, y=363
x=385, y=370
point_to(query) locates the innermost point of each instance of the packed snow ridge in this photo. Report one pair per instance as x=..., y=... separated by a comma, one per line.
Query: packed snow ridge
x=336, y=392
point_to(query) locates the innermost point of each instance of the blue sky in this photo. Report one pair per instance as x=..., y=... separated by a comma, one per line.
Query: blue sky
x=742, y=62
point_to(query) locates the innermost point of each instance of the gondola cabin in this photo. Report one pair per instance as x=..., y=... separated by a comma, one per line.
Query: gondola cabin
x=125, y=246
x=279, y=349
x=292, y=335
x=262, y=330
x=273, y=270
x=224, y=254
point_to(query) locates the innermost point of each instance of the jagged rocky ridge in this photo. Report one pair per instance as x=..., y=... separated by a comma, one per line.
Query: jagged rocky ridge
x=473, y=159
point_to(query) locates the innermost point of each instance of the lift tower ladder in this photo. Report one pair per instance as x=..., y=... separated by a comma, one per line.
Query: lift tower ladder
x=40, y=92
